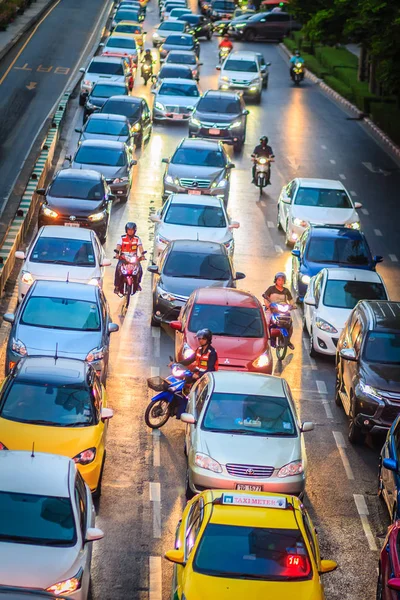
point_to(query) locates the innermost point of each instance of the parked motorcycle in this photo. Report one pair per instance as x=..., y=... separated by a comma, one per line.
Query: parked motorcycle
x=172, y=397
x=297, y=73
x=147, y=72
x=130, y=269
x=263, y=171
x=279, y=327
x=223, y=53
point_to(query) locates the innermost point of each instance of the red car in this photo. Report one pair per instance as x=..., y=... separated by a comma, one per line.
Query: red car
x=237, y=320
x=389, y=565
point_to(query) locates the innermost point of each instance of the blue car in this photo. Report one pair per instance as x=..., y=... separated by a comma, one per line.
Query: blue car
x=388, y=474
x=326, y=246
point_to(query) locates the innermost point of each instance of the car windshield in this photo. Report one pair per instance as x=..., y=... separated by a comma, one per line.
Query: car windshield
x=230, y=321
x=172, y=26
x=228, y=6
x=193, y=265
x=126, y=15
x=179, y=40
x=322, y=198
x=48, y=404
x=61, y=313
x=101, y=90
x=105, y=157
x=252, y=553
x=184, y=59
x=127, y=109
x=175, y=72
x=106, y=68
x=81, y=189
x=247, y=66
x=106, y=127
x=36, y=520
x=125, y=28
x=346, y=294
x=202, y=157
x=383, y=347
x=62, y=251
x=219, y=105
x=249, y=414
x=340, y=250
x=194, y=215
x=179, y=89
x=119, y=42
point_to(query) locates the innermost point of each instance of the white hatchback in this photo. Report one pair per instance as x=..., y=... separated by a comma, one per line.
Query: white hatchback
x=61, y=253
x=47, y=524
x=190, y=217
x=331, y=296
x=314, y=201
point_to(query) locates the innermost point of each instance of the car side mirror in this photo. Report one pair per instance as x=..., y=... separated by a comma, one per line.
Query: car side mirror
x=218, y=67
x=106, y=413
x=69, y=158
x=176, y=325
x=234, y=225
x=111, y=196
x=246, y=112
x=155, y=218
x=19, y=254
x=263, y=68
x=357, y=205
x=286, y=199
x=175, y=556
x=230, y=166
x=153, y=269
x=239, y=275
x=377, y=259
x=310, y=301
x=78, y=130
x=165, y=160
x=81, y=70
x=307, y=426
x=93, y=534
x=9, y=318
x=106, y=262
x=153, y=91
x=113, y=327
x=348, y=354
x=394, y=583
x=327, y=566
x=268, y=64
x=390, y=464
x=41, y=191
x=133, y=163
x=296, y=253
x=188, y=418
x=102, y=45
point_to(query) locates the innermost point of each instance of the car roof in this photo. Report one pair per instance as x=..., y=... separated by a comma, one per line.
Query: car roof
x=102, y=144
x=219, y=94
x=243, y=55
x=232, y=382
x=226, y=297
x=176, y=21
x=108, y=59
x=196, y=246
x=78, y=174
x=65, y=289
x=121, y=36
x=202, y=200
x=200, y=143
x=353, y=275
x=120, y=98
x=108, y=117
x=383, y=314
x=65, y=233
x=183, y=68
x=182, y=36
x=330, y=184
x=44, y=474
x=181, y=81
x=46, y=369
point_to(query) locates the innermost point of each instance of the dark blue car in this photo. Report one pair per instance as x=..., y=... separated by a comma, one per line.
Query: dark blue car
x=388, y=475
x=322, y=246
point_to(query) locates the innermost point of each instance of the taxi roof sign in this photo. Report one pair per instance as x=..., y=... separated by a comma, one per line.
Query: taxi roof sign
x=254, y=500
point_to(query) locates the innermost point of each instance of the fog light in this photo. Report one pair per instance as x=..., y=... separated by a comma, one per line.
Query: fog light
x=294, y=236
x=366, y=422
x=321, y=344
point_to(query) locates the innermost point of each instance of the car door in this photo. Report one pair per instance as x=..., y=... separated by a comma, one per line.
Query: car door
x=84, y=521
x=298, y=260
x=99, y=252
x=391, y=449
x=191, y=530
x=146, y=119
x=319, y=285
x=106, y=319
x=312, y=539
x=180, y=336
x=350, y=367
x=192, y=431
x=285, y=201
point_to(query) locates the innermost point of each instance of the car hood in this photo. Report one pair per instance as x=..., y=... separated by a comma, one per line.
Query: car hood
x=204, y=234
x=213, y=117
x=108, y=138
x=176, y=100
x=241, y=75
x=71, y=206
x=52, y=272
x=194, y=172
x=95, y=77
x=321, y=215
x=335, y=316
x=71, y=344
x=381, y=376
x=250, y=450
x=108, y=172
x=182, y=286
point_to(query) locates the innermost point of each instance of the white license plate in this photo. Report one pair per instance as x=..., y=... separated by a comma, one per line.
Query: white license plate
x=177, y=116
x=214, y=131
x=71, y=225
x=195, y=192
x=249, y=488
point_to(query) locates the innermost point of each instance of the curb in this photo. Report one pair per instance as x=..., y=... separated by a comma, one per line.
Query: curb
x=381, y=135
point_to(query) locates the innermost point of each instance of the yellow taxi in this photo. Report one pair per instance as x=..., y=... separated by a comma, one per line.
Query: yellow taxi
x=56, y=405
x=133, y=29
x=234, y=545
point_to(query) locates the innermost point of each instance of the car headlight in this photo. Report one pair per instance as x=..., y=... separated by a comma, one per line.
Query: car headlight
x=50, y=213
x=299, y=222
x=195, y=122
x=68, y=586
x=187, y=352
x=26, y=278
x=325, y=326
x=293, y=468
x=235, y=124
x=18, y=347
x=162, y=240
x=169, y=179
x=160, y=106
x=370, y=391
x=206, y=462
x=137, y=127
x=262, y=361
x=256, y=80
x=96, y=216
x=121, y=180
x=305, y=279
x=354, y=225
x=94, y=281
x=224, y=78
x=219, y=184
x=166, y=295
x=95, y=354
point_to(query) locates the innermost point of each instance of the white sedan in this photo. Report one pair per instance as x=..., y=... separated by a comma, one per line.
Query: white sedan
x=191, y=217
x=329, y=300
x=58, y=253
x=47, y=525
x=314, y=201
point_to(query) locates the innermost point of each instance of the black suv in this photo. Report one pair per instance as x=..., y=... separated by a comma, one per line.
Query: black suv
x=199, y=25
x=264, y=26
x=368, y=367
x=220, y=116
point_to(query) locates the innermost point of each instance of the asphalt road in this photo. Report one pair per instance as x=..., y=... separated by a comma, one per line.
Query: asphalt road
x=143, y=485
x=34, y=74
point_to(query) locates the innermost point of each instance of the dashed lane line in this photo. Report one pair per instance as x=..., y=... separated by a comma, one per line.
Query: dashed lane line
x=278, y=249
x=323, y=147
x=365, y=211
x=353, y=193
x=154, y=371
x=155, y=578
x=393, y=258
x=321, y=387
x=363, y=512
x=156, y=447
x=333, y=162
x=341, y=446
x=342, y=176
x=270, y=224
x=378, y=232
x=155, y=499
x=156, y=336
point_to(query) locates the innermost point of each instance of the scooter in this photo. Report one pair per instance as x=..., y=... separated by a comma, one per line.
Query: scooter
x=263, y=171
x=279, y=327
x=172, y=397
x=129, y=269
x=223, y=53
x=147, y=72
x=297, y=73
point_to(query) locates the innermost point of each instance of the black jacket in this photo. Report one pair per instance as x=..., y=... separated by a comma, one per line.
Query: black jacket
x=263, y=150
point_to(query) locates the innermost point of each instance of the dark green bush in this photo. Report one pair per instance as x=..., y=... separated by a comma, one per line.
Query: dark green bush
x=339, y=87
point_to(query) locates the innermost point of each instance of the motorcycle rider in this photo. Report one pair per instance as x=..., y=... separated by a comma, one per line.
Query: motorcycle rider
x=296, y=58
x=206, y=357
x=148, y=59
x=132, y=244
x=279, y=293
x=225, y=43
x=262, y=150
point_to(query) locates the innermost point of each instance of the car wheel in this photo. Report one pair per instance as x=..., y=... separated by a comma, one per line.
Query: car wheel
x=355, y=433
x=209, y=35
x=250, y=35
x=96, y=495
x=265, y=86
x=338, y=400
x=82, y=100
x=278, y=221
x=380, y=482
x=287, y=234
x=123, y=199
x=257, y=99
x=311, y=350
x=188, y=492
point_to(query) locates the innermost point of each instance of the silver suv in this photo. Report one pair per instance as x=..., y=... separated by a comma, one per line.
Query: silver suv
x=241, y=71
x=101, y=69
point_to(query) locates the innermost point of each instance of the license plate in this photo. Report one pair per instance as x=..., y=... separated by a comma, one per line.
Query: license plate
x=71, y=225
x=175, y=116
x=249, y=488
x=195, y=192
x=214, y=131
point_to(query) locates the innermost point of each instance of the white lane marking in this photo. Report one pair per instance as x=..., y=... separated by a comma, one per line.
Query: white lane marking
x=321, y=386
x=363, y=512
x=353, y=193
x=155, y=491
x=155, y=578
x=306, y=345
x=154, y=371
x=393, y=258
x=155, y=332
x=378, y=232
x=270, y=224
x=155, y=499
x=327, y=408
x=323, y=147
x=156, y=335
x=341, y=446
x=313, y=364
x=278, y=249
x=342, y=176
x=365, y=211
x=333, y=162
x=156, y=448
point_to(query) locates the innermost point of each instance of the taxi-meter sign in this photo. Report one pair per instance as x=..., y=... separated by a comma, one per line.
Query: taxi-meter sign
x=254, y=500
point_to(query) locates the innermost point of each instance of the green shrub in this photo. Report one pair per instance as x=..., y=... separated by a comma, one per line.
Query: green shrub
x=339, y=87
x=314, y=66
x=290, y=44
x=336, y=57
x=387, y=117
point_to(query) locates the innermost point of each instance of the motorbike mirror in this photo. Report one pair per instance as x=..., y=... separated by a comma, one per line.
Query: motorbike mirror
x=218, y=67
x=177, y=325
x=239, y=275
x=188, y=418
x=106, y=262
x=113, y=327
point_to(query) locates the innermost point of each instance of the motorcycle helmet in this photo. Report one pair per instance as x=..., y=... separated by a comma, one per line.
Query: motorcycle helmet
x=205, y=334
x=148, y=51
x=130, y=225
x=226, y=36
x=264, y=139
x=297, y=53
x=280, y=274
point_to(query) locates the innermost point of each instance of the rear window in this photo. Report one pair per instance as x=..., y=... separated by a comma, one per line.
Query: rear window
x=172, y=26
x=106, y=91
x=177, y=73
x=219, y=105
x=322, y=198
x=126, y=15
x=193, y=265
x=127, y=42
x=346, y=294
x=61, y=251
x=340, y=250
x=230, y=321
x=106, y=127
x=193, y=215
x=245, y=66
x=179, y=40
x=107, y=157
x=127, y=109
x=179, y=89
x=199, y=157
x=61, y=313
x=220, y=5
x=106, y=68
x=183, y=59
x=80, y=189
x=125, y=28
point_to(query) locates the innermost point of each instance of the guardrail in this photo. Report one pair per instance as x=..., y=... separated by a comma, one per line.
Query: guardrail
x=29, y=202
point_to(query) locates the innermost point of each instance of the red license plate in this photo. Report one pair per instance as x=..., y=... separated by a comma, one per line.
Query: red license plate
x=174, y=116
x=195, y=192
x=214, y=131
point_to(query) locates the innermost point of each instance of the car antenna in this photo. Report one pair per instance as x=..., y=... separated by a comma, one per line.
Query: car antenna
x=56, y=354
x=68, y=277
x=33, y=450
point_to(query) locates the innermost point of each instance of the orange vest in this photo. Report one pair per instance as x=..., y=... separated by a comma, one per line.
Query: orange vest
x=202, y=360
x=129, y=244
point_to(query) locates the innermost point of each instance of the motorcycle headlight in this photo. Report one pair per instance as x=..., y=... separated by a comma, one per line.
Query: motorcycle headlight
x=262, y=361
x=49, y=213
x=299, y=65
x=160, y=106
x=354, y=225
x=96, y=216
x=291, y=469
x=262, y=161
x=137, y=127
x=68, y=586
x=18, y=347
x=235, y=124
x=370, y=391
x=95, y=354
x=188, y=352
x=169, y=179
x=26, y=278
x=206, y=462
x=194, y=122
x=162, y=240
x=325, y=326
x=305, y=279
x=85, y=457
x=299, y=222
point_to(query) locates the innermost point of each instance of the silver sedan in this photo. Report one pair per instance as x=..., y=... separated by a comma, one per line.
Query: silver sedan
x=175, y=100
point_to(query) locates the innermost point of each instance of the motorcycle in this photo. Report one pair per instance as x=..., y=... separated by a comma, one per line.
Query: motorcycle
x=172, y=397
x=129, y=269
x=263, y=171
x=297, y=72
x=223, y=53
x=147, y=72
x=279, y=327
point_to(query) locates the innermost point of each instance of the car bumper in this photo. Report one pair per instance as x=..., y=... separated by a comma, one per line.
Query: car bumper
x=324, y=342
x=373, y=414
x=120, y=189
x=170, y=188
x=162, y=115
x=100, y=227
x=166, y=310
x=91, y=473
x=228, y=136
x=251, y=91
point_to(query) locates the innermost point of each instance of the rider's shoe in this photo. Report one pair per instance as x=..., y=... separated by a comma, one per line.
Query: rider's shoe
x=291, y=345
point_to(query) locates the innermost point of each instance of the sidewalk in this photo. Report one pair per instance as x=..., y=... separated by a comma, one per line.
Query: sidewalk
x=21, y=25
x=354, y=49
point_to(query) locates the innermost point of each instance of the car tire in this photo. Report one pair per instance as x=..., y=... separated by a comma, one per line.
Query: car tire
x=123, y=199
x=355, y=433
x=249, y=35
x=82, y=100
x=278, y=221
x=257, y=99
x=304, y=324
x=188, y=492
x=265, y=85
x=96, y=495
x=380, y=482
x=338, y=400
x=209, y=35
x=311, y=350
x=238, y=147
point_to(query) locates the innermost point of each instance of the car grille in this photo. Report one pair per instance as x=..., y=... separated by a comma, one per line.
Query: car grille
x=240, y=82
x=390, y=413
x=178, y=110
x=198, y=183
x=249, y=471
x=392, y=396
x=215, y=125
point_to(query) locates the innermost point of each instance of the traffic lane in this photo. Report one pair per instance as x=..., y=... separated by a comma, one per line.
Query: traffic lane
x=34, y=77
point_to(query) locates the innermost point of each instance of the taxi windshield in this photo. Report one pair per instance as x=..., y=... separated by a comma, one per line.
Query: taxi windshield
x=252, y=553
x=249, y=415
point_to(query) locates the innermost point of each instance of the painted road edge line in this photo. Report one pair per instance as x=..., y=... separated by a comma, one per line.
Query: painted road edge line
x=363, y=512
x=155, y=499
x=341, y=446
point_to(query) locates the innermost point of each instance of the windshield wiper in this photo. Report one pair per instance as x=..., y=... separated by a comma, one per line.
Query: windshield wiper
x=44, y=422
